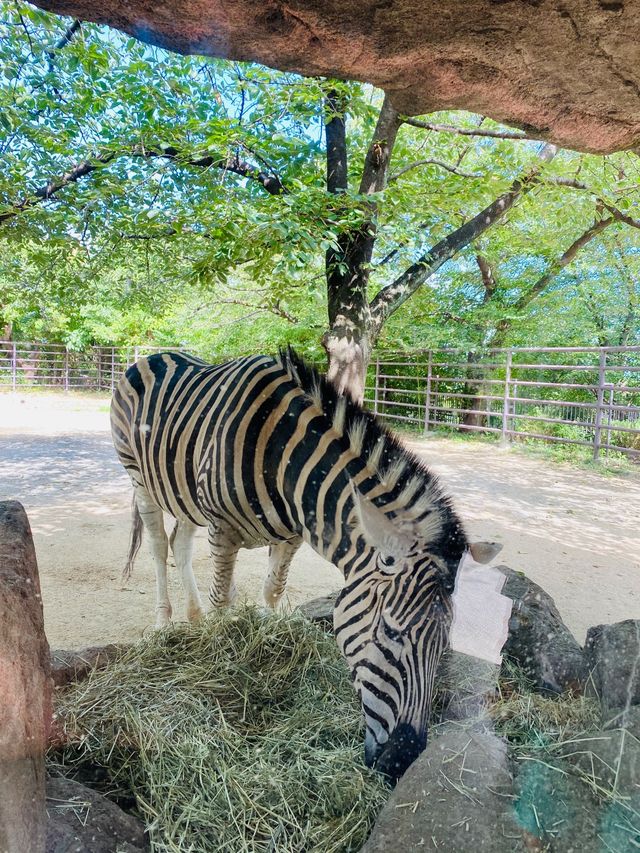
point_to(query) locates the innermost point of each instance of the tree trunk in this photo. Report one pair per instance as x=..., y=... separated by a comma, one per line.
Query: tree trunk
x=474, y=371
x=350, y=337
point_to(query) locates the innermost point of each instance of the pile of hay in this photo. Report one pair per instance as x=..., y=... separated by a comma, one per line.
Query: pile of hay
x=242, y=733
x=535, y=722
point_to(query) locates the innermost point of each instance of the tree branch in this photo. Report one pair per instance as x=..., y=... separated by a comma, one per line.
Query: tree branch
x=271, y=183
x=378, y=158
x=467, y=131
x=391, y=297
x=488, y=277
x=453, y=169
x=554, y=268
x=272, y=308
x=575, y=184
x=561, y=262
x=80, y=170
x=63, y=41
x=234, y=164
x=335, y=135
x=619, y=215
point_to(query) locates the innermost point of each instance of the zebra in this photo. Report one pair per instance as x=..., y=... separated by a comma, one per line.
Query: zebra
x=263, y=450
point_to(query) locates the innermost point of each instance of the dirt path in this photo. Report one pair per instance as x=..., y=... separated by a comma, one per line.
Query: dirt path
x=575, y=532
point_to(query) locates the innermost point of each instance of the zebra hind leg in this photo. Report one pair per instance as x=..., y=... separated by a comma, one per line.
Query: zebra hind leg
x=280, y=556
x=153, y=521
x=224, y=552
x=182, y=546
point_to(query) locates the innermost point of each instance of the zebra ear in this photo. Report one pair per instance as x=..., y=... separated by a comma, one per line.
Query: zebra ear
x=377, y=528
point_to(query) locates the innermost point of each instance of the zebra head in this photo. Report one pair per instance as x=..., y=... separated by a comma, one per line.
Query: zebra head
x=392, y=623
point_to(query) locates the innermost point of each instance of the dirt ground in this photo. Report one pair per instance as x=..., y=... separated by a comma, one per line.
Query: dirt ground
x=575, y=532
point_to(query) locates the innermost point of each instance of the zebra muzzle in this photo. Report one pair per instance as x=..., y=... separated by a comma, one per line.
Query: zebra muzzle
x=398, y=753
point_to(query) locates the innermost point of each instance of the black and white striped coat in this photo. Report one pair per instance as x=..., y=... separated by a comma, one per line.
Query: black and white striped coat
x=262, y=450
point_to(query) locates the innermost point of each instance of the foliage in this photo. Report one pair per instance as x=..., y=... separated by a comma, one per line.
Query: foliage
x=165, y=229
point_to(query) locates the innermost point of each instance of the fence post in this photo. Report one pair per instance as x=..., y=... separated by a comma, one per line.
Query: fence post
x=14, y=366
x=427, y=400
x=113, y=369
x=513, y=402
x=597, y=433
x=609, y=415
x=98, y=352
x=375, y=385
x=505, y=404
x=136, y=356
x=66, y=369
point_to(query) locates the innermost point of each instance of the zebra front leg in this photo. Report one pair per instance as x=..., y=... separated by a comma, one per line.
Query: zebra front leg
x=222, y=592
x=280, y=556
x=153, y=521
x=182, y=546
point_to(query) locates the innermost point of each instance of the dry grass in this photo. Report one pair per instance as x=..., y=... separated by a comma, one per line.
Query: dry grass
x=244, y=734
x=240, y=734
x=531, y=720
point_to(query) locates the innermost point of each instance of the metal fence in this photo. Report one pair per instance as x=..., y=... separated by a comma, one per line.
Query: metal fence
x=587, y=396
x=46, y=365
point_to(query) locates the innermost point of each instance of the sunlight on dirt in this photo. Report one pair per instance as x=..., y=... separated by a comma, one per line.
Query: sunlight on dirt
x=573, y=531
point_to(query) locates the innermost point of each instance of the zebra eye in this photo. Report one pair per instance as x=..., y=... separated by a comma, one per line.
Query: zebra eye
x=387, y=561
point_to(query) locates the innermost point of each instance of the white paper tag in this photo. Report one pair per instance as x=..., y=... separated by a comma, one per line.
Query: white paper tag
x=480, y=613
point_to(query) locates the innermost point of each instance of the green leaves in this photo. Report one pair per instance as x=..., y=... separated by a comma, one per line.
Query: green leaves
x=138, y=243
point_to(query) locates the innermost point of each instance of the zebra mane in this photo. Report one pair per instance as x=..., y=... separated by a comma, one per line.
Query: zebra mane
x=406, y=477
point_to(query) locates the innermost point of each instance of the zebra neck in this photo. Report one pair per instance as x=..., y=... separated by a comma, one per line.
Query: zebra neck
x=332, y=535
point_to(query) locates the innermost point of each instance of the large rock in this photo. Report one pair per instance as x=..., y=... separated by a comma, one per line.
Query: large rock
x=25, y=687
x=613, y=658
x=320, y=610
x=67, y=666
x=609, y=759
x=455, y=797
x=83, y=821
x=465, y=686
x=566, y=70
x=557, y=811
x=539, y=641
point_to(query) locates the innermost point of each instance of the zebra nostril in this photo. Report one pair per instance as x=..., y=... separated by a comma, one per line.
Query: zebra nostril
x=371, y=750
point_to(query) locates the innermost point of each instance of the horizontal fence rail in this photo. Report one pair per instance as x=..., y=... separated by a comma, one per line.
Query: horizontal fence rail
x=585, y=396
x=54, y=366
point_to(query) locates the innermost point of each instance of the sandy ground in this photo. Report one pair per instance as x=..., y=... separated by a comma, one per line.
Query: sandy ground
x=575, y=532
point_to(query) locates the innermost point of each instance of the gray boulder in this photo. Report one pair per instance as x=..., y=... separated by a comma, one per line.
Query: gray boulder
x=67, y=666
x=320, y=610
x=83, y=821
x=455, y=797
x=612, y=654
x=609, y=759
x=539, y=641
x=465, y=686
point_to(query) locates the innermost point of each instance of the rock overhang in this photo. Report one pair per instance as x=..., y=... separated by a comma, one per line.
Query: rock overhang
x=567, y=71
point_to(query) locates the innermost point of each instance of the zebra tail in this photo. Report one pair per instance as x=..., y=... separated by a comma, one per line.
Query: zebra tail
x=136, y=539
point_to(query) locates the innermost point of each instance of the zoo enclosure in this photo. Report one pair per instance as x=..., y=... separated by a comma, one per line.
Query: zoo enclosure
x=587, y=396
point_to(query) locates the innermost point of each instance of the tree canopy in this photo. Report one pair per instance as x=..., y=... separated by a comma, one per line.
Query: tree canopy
x=149, y=196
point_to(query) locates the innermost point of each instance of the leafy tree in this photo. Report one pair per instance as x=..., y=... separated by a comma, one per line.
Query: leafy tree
x=149, y=182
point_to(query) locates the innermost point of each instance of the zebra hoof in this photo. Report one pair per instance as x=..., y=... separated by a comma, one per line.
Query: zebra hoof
x=163, y=616
x=195, y=614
